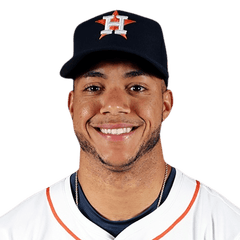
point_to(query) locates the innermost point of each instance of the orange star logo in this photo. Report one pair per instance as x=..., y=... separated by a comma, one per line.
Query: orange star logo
x=114, y=23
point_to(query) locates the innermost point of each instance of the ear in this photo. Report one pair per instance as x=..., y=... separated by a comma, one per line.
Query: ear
x=167, y=104
x=70, y=102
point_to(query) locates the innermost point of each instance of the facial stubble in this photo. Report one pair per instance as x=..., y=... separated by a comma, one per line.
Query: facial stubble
x=145, y=148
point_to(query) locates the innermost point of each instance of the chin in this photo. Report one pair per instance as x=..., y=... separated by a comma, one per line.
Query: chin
x=118, y=165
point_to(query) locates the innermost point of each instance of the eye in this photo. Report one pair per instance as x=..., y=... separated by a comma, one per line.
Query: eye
x=138, y=88
x=92, y=88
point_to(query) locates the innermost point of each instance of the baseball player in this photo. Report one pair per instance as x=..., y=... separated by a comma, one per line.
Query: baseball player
x=123, y=188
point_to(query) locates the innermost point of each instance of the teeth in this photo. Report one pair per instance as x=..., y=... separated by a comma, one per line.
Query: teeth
x=116, y=131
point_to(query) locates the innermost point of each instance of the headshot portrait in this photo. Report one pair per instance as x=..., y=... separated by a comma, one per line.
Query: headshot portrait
x=120, y=121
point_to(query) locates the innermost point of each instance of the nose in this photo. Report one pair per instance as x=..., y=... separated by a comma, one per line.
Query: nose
x=115, y=101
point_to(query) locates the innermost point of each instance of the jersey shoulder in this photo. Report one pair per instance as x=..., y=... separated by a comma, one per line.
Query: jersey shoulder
x=27, y=219
x=217, y=200
x=215, y=216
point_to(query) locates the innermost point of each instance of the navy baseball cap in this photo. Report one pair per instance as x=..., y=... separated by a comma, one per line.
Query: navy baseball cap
x=118, y=31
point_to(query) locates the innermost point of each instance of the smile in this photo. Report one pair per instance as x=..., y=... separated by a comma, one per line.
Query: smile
x=118, y=134
x=117, y=131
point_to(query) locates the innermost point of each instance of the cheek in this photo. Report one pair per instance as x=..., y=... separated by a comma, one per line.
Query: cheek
x=83, y=112
x=150, y=111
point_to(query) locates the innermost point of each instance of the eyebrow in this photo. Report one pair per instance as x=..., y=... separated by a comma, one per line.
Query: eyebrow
x=135, y=73
x=94, y=74
x=130, y=74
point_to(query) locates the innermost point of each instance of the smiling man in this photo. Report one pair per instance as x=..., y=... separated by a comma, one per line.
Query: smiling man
x=117, y=106
x=123, y=188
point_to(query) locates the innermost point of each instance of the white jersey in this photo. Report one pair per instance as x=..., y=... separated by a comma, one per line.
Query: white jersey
x=191, y=211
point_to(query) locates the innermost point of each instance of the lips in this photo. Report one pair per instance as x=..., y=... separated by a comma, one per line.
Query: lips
x=114, y=132
x=115, y=126
x=99, y=129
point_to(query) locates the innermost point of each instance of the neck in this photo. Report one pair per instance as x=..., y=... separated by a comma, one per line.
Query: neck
x=123, y=195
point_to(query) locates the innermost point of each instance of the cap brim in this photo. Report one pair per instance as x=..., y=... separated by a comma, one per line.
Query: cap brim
x=69, y=68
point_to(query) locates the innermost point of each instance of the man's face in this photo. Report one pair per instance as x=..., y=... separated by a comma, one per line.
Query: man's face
x=111, y=99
